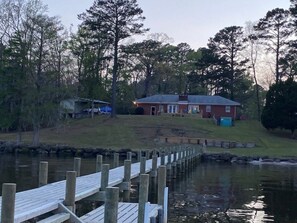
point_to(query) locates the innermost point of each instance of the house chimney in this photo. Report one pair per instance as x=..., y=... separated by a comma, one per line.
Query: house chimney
x=183, y=98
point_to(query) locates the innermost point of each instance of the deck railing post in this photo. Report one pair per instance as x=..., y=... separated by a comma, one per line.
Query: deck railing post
x=70, y=190
x=147, y=154
x=8, y=202
x=129, y=156
x=143, y=196
x=99, y=161
x=111, y=205
x=116, y=159
x=142, y=165
x=104, y=177
x=43, y=173
x=127, y=180
x=77, y=165
x=161, y=184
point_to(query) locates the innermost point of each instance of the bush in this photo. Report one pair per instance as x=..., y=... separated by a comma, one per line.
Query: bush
x=139, y=111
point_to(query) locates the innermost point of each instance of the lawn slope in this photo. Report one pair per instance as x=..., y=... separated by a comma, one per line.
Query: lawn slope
x=142, y=132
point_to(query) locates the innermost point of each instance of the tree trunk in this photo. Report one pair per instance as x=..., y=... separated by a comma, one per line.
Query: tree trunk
x=36, y=136
x=114, y=73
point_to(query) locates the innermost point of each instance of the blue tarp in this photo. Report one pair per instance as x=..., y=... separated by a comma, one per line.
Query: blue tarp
x=105, y=109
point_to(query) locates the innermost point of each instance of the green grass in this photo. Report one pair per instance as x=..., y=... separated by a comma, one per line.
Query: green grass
x=137, y=132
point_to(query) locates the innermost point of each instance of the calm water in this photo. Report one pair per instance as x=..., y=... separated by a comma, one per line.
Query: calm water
x=210, y=192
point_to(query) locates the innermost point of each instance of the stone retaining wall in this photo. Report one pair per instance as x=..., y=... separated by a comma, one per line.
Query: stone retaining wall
x=11, y=147
x=207, y=142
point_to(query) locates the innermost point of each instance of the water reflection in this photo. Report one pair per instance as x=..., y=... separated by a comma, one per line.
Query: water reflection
x=215, y=192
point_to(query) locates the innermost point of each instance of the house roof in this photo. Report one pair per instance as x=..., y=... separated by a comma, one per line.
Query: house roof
x=192, y=99
x=87, y=100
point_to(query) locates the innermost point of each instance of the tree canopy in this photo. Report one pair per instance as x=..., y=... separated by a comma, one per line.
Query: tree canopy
x=280, y=110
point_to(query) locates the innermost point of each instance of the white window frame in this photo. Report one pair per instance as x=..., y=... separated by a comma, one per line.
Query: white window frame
x=227, y=108
x=172, y=109
x=208, y=108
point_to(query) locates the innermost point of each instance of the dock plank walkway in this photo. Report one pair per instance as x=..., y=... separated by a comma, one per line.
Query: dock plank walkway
x=35, y=202
x=127, y=212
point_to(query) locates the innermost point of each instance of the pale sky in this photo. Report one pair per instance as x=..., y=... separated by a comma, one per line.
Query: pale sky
x=189, y=21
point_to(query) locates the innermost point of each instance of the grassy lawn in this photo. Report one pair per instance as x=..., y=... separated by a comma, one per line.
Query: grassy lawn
x=142, y=132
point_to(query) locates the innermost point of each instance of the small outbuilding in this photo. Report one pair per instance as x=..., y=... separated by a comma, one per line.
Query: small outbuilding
x=76, y=107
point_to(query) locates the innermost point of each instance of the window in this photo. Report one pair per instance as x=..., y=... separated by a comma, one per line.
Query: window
x=161, y=108
x=228, y=109
x=194, y=109
x=208, y=108
x=172, y=109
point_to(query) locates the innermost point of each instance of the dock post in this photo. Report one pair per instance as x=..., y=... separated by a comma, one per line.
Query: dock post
x=111, y=205
x=162, y=158
x=43, y=173
x=99, y=161
x=70, y=190
x=77, y=164
x=139, y=155
x=154, y=166
x=147, y=154
x=143, y=196
x=142, y=165
x=161, y=184
x=8, y=202
x=104, y=177
x=169, y=164
x=129, y=156
x=174, y=164
x=153, y=178
x=127, y=180
x=186, y=158
x=116, y=159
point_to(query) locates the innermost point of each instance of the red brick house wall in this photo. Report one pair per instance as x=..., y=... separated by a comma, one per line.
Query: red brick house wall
x=216, y=110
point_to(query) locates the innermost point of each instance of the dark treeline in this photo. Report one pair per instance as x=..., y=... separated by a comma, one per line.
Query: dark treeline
x=41, y=63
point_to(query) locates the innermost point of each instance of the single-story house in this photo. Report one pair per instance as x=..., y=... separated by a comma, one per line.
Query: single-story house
x=74, y=107
x=206, y=106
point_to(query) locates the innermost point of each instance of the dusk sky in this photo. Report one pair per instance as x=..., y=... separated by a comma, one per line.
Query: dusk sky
x=190, y=21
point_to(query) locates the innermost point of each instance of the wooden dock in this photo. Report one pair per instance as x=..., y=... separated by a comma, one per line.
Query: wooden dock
x=50, y=198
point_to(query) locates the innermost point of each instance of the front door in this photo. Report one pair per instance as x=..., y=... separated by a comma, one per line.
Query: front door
x=153, y=110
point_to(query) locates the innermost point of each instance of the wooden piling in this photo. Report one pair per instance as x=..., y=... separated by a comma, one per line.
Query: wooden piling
x=161, y=184
x=174, y=168
x=43, y=173
x=154, y=166
x=116, y=158
x=142, y=165
x=129, y=156
x=139, y=155
x=169, y=164
x=111, y=205
x=99, y=162
x=147, y=154
x=77, y=165
x=8, y=202
x=143, y=196
x=104, y=177
x=162, y=158
x=70, y=190
x=127, y=180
